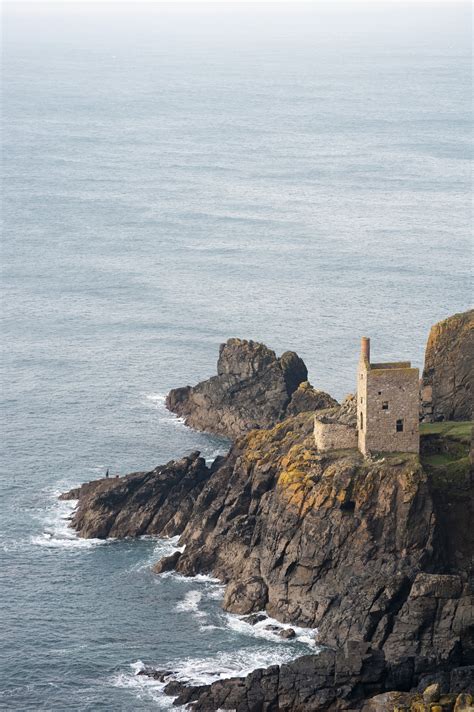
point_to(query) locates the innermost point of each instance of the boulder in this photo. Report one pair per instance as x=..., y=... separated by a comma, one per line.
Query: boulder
x=432, y=693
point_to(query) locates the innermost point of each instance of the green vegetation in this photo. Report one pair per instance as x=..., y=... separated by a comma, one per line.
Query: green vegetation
x=456, y=430
x=445, y=454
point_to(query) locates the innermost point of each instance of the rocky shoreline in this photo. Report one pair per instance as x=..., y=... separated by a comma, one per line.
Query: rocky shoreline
x=376, y=553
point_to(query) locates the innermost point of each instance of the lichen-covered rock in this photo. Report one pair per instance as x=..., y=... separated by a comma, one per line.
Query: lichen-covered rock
x=306, y=398
x=446, y=388
x=253, y=389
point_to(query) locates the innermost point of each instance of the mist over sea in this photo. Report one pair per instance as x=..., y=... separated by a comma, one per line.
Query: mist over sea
x=175, y=175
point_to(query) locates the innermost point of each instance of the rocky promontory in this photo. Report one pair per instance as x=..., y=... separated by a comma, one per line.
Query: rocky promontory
x=252, y=389
x=354, y=547
x=374, y=552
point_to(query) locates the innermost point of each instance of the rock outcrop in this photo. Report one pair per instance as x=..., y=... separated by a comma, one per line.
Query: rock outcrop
x=253, y=389
x=446, y=388
x=374, y=552
x=329, y=540
x=348, y=679
x=158, y=502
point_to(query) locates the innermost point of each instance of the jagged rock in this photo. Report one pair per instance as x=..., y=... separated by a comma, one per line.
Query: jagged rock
x=446, y=387
x=167, y=563
x=306, y=398
x=253, y=389
x=156, y=502
x=246, y=596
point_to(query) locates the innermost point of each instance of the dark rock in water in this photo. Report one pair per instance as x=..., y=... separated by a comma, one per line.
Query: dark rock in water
x=447, y=388
x=253, y=389
x=255, y=618
x=167, y=563
x=287, y=634
x=273, y=628
x=160, y=675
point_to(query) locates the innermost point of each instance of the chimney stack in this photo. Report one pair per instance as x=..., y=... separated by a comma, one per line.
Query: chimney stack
x=365, y=349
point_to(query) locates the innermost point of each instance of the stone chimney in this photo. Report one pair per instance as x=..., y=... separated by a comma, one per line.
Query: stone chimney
x=365, y=349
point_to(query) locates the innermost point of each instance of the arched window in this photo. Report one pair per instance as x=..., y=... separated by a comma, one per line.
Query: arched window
x=361, y=421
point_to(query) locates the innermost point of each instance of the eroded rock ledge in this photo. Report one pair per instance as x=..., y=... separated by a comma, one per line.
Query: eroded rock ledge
x=253, y=389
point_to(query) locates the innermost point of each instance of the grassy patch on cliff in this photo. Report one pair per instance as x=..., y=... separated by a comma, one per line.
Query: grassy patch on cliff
x=445, y=454
x=461, y=430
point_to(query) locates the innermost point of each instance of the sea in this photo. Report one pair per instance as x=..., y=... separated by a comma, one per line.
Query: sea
x=175, y=174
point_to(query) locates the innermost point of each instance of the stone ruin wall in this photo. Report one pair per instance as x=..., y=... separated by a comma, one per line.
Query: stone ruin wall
x=334, y=436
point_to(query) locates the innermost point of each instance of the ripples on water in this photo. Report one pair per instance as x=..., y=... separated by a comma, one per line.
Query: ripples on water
x=294, y=178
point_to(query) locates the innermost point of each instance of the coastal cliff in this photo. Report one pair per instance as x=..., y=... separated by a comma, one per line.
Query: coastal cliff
x=374, y=552
x=352, y=546
x=253, y=389
x=446, y=386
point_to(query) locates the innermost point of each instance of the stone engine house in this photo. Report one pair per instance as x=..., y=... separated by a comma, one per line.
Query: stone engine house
x=388, y=405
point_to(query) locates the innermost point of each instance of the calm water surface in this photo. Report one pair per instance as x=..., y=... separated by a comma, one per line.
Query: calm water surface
x=172, y=178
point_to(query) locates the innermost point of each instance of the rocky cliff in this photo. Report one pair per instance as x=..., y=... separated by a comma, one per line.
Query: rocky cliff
x=376, y=553
x=253, y=389
x=446, y=390
x=354, y=547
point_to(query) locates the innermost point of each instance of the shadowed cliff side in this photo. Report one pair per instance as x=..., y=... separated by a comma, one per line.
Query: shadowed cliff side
x=446, y=390
x=253, y=389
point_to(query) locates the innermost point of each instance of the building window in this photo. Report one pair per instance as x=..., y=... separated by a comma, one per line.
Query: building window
x=400, y=426
x=380, y=393
x=361, y=399
x=361, y=421
x=385, y=405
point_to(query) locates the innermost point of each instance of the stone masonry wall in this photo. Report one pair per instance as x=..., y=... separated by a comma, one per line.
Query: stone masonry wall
x=399, y=387
x=334, y=436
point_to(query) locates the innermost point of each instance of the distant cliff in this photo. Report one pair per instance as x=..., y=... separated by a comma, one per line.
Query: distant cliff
x=447, y=391
x=253, y=389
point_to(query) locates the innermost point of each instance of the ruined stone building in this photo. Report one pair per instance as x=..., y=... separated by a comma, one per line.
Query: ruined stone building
x=388, y=405
x=384, y=415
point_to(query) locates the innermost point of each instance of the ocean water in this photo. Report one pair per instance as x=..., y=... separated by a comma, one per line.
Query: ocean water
x=175, y=175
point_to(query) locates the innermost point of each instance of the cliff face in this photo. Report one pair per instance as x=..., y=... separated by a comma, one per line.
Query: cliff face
x=253, y=389
x=332, y=541
x=446, y=391
x=376, y=553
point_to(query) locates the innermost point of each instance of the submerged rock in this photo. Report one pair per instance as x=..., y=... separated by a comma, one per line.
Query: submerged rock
x=253, y=389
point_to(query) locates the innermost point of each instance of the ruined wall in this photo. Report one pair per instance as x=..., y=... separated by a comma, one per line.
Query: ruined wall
x=398, y=388
x=334, y=436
